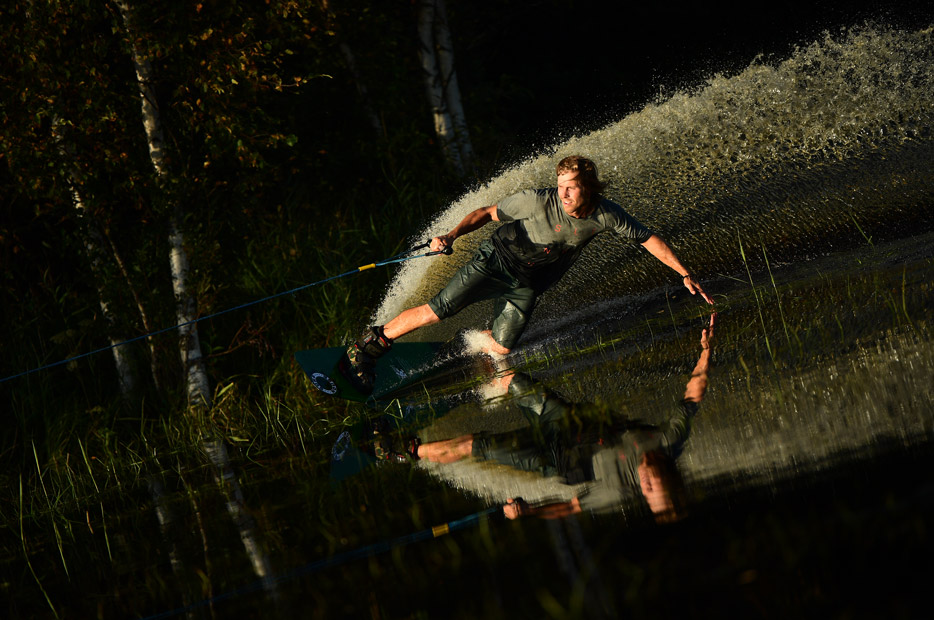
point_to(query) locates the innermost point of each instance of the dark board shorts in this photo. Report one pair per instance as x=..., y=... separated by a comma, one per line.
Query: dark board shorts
x=486, y=277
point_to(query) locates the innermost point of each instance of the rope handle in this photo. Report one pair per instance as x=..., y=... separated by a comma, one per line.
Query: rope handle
x=448, y=250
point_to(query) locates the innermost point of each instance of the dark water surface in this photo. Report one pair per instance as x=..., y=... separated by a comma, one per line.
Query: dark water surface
x=806, y=476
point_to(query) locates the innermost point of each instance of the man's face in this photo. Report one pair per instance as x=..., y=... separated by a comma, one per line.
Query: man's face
x=571, y=193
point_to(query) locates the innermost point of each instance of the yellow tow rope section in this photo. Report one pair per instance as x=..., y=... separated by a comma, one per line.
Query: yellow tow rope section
x=365, y=267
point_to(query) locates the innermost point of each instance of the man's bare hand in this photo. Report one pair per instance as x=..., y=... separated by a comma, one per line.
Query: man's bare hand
x=438, y=244
x=515, y=508
x=707, y=333
x=692, y=285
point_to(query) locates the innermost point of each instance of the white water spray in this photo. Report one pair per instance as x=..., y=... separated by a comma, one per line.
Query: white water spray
x=791, y=155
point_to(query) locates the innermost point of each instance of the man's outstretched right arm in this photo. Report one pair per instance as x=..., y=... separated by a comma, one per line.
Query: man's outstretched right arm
x=697, y=386
x=474, y=220
x=658, y=248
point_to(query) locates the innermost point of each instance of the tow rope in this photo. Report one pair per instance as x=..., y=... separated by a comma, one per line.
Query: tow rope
x=341, y=558
x=398, y=258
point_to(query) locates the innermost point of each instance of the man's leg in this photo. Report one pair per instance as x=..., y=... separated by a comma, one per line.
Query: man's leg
x=420, y=316
x=510, y=315
x=489, y=344
x=410, y=320
x=447, y=451
x=471, y=283
x=359, y=362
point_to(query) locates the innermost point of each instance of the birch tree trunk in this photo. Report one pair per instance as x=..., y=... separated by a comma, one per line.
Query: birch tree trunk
x=92, y=240
x=198, y=387
x=94, y=246
x=143, y=315
x=236, y=508
x=190, y=345
x=436, y=54
x=452, y=92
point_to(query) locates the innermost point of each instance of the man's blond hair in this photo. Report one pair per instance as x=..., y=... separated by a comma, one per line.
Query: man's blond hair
x=586, y=175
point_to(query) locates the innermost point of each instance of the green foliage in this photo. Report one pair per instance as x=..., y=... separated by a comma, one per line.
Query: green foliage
x=281, y=183
x=280, y=180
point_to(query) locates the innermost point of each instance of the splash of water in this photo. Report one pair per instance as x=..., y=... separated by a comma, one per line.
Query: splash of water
x=823, y=147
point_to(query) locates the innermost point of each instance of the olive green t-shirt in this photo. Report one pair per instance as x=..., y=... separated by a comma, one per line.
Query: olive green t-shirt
x=615, y=464
x=539, y=241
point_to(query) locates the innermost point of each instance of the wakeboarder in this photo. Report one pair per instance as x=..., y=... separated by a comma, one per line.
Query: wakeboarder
x=543, y=233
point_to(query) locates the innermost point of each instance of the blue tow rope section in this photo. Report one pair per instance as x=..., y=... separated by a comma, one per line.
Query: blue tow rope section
x=398, y=258
x=340, y=558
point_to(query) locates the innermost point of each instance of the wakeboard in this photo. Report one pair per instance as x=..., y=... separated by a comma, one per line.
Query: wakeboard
x=421, y=381
x=409, y=369
x=402, y=364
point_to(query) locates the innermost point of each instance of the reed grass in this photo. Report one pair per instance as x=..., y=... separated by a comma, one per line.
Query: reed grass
x=26, y=555
x=284, y=252
x=755, y=293
x=858, y=227
x=89, y=450
x=280, y=412
x=778, y=298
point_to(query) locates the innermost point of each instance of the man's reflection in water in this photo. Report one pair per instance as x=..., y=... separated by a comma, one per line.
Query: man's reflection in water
x=615, y=460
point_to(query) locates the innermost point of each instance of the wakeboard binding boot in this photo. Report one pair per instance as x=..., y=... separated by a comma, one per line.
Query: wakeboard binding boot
x=358, y=364
x=385, y=447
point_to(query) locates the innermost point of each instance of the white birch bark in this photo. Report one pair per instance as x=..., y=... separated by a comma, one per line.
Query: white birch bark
x=125, y=374
x=198, y=389
x=93, y=245
x=190, y=345
x=236, y=508
x=434, y=85
x=143, y=315
x=452, y=93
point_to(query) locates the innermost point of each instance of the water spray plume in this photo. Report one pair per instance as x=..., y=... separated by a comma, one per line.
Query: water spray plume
x=793, y=153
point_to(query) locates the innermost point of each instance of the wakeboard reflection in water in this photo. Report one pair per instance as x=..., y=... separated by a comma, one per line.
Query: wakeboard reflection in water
x=828, y=147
